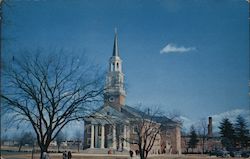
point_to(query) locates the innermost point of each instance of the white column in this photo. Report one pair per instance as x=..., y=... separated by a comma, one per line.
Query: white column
x=97, y=144
x=92, y=136
x=102, y=137
x=125, y=136
x=114, y=137
x=128, y=137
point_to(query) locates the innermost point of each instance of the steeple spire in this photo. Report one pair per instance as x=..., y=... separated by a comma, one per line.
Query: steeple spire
x=114, y=92
x=115, y=48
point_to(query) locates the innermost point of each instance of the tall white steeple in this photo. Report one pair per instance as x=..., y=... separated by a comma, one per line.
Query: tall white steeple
x=114, y=93
x=115, y=48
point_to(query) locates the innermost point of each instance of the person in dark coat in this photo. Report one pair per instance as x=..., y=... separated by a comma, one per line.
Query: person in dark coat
x=64, y=155
x=131, y=153
x=69, y=155
x=122, y=146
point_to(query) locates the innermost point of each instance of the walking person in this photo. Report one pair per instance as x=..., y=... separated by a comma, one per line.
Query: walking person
x=122, y=147
x=130, y=153
x=69, y=155
x=64, y=155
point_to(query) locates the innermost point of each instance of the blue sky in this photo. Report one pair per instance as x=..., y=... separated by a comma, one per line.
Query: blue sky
x=186, y=55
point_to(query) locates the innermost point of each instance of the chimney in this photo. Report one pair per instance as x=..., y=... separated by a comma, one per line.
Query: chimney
x=210, y=127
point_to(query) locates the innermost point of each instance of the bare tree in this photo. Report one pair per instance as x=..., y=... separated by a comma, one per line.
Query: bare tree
x=146, y=131
x=202, y=132
x=49, y=92
x=192, y=143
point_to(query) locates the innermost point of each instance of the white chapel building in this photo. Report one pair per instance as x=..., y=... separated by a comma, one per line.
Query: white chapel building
x=110, y=126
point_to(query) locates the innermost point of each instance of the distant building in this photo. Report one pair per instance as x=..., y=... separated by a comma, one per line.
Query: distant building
x=211, y=141
x=111, y=123
x=10, y=143
x=53, y=143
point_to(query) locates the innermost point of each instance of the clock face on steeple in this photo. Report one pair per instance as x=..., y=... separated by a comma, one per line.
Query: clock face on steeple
x=111, y=99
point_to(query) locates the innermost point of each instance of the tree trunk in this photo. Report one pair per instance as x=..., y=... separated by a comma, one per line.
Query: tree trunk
x=41, y=154
x=142, y=154
x=58, y=145
x=20, y=146
x=44, y=148
x=146, y=154
x=78, y=146
x=203, y=146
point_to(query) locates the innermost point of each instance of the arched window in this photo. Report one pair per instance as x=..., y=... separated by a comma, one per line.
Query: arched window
x=113, y=67
x=117, y=66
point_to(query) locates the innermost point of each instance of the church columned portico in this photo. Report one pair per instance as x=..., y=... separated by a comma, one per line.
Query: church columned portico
x=100, y=132
x=97, y=141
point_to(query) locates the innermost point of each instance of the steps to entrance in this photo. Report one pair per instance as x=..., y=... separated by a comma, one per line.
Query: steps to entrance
x=105, y=151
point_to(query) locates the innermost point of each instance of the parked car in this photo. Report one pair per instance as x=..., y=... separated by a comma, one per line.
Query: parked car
x=245, y=154
x=213, y=153
x=235, y=153
x=220, y=153
x=223, y=153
